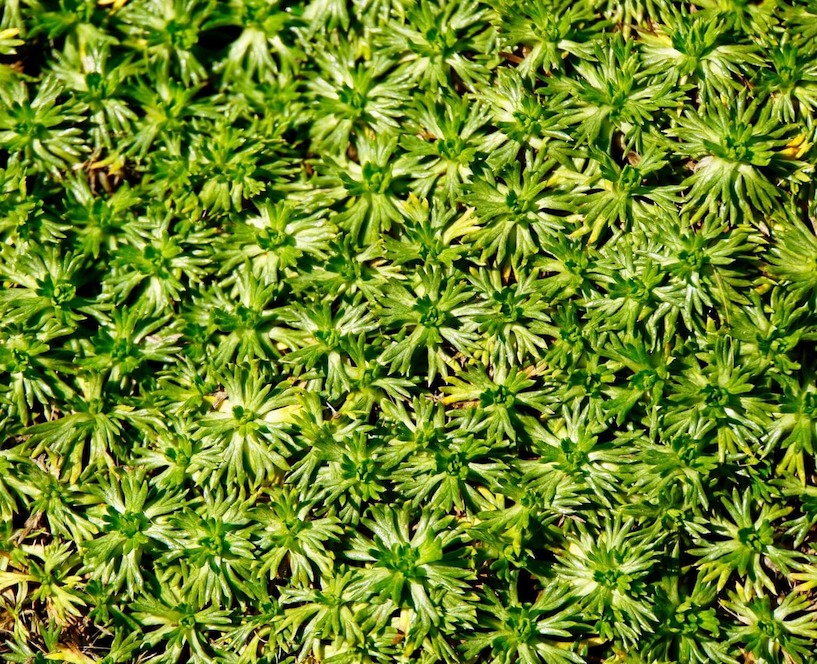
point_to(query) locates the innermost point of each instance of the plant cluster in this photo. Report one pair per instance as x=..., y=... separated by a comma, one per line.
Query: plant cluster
x=408, y=331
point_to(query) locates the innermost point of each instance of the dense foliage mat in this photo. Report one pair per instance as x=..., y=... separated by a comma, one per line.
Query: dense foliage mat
x=396, y=331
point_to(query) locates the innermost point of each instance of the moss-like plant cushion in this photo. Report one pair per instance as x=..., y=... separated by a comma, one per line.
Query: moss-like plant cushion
x=413, y=331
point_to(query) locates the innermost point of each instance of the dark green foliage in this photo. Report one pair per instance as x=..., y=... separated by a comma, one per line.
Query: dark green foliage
x=408, y=331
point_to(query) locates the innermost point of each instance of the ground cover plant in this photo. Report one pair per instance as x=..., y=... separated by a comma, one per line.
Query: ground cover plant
x=408, y=331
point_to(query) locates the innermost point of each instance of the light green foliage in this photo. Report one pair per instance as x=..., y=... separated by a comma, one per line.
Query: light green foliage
x=414, y=331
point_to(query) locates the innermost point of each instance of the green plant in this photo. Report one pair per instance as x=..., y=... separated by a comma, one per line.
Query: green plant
x=409, y=331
